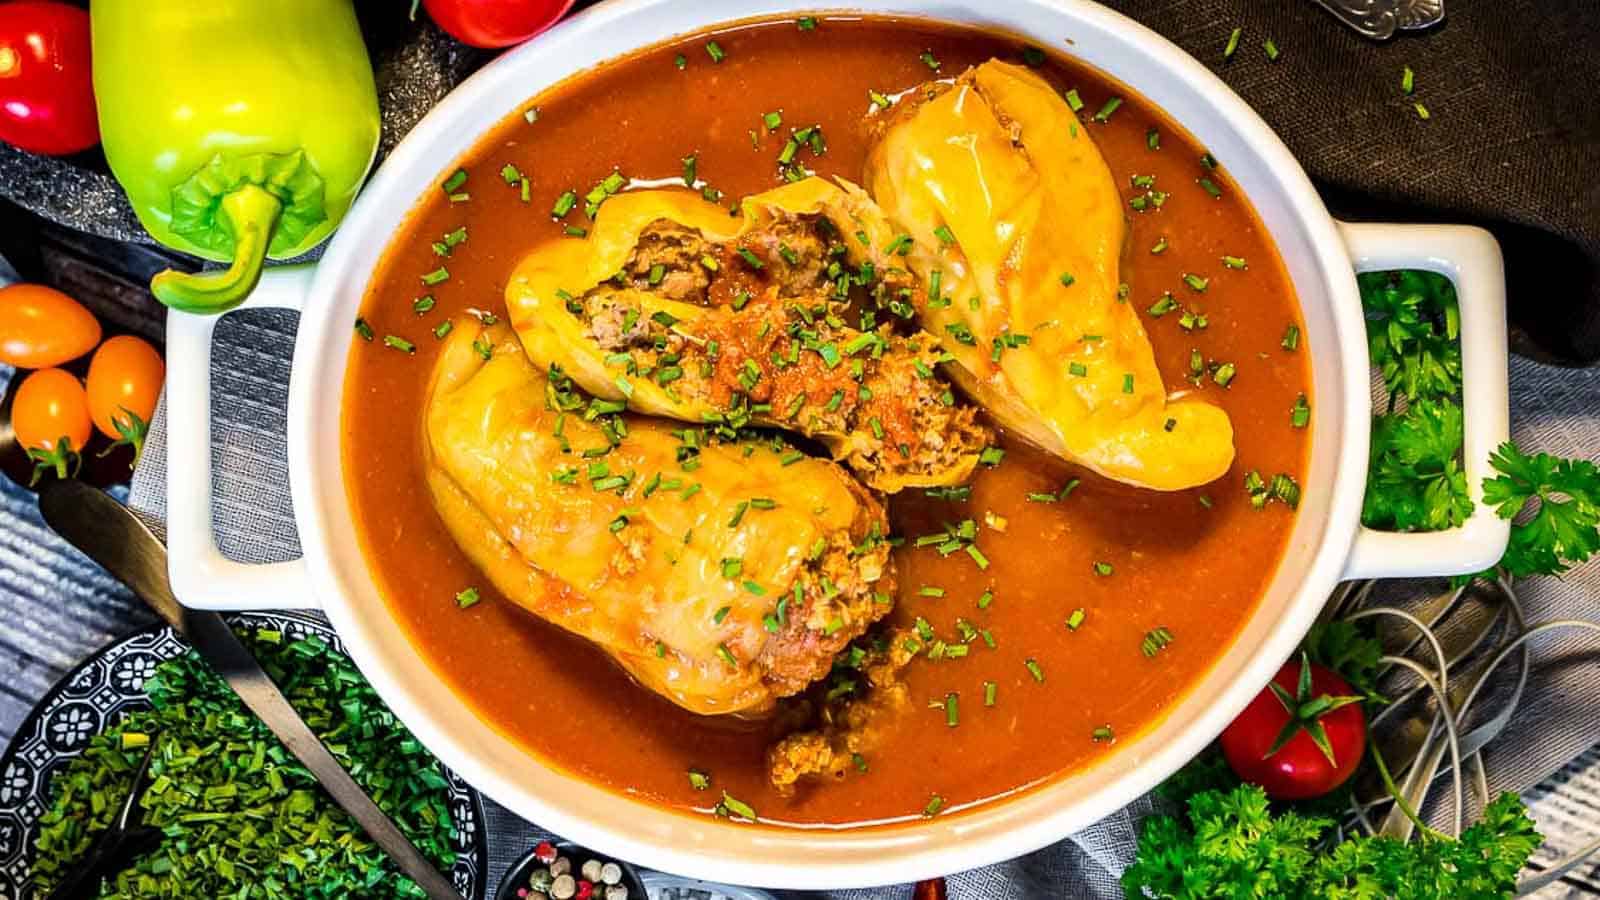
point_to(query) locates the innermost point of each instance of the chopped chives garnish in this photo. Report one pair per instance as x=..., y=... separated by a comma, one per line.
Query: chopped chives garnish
x=1163, y=305
x=1271, y=47
x=1291, y=338
x=1422, y=111
x=1152, y=139
x=1234, y=262
x=1224, y=374
x=721, y=614
x=727, y=656
x=1210, y=187
x=806, y=23
x=467, y=598
x=754, y=588
x=681, y=61
x=714, y=50
x=952, y=709
x=986, y=599
x=738, y=807
x=1155, y=641
x=1074, y=101
x=1232, y=46
x=991, y=456
x=944, y=234
x=930, y=591
x=738, y=513
x=456, y=180
x=1160, y=246
x=929, y=60
x=1195, y=282
x=1102, y=569
x=1408, y=80
x=399, y=343
x=442, y=329
x=697, y=779
x=1285, y=489
x=751, y=259
x=363, y=329
x=1067, y=279
x=1300, y=414
x=690, y=164
x=437, y=276
x=1103, y=734
x=1033, y=669
x=1078, y=369
x=772, y=120
x=1127, y=382
x=564, y=204
x=989, y=691
x=511, y=174
x=1075, y=620
x=1104, y=115
x=935, y=803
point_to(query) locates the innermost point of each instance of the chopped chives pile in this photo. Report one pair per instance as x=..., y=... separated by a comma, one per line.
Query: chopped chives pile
x=237, y=811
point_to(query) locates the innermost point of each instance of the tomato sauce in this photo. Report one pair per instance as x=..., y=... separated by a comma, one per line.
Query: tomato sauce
x=1192, y=562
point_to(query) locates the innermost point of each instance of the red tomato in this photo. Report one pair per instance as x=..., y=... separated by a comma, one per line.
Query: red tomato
x=46, y=98
x=41, y=327
x=1316, y=718
x=495, y=23
x=48, y=406
x=124, y=383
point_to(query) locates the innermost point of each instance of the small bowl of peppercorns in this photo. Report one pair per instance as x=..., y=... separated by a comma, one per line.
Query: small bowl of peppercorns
x=555, y=870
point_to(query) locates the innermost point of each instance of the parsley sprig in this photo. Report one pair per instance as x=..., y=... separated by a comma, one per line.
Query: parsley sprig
x=1232, y=837
x=1415, y=480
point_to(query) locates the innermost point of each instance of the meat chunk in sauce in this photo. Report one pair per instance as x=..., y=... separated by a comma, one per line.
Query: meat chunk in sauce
x=679, y=310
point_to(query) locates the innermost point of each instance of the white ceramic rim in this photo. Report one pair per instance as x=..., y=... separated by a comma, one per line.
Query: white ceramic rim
x=335, y=573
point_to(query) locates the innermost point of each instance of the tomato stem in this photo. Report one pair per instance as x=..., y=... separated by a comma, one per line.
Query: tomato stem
x=1394, y=791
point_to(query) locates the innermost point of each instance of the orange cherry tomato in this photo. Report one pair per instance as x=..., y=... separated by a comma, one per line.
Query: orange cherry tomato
x=125, y=378
x=50, y=405
x=41, y=327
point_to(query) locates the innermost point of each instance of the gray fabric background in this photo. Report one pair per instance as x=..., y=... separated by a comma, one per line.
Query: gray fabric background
x=1553, y=409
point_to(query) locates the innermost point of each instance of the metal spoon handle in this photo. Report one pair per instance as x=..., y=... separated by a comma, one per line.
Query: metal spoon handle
x=111, y=535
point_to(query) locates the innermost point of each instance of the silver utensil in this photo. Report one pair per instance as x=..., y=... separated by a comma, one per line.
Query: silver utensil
x=124, y=840
x=1379, y=19
x=111, y=535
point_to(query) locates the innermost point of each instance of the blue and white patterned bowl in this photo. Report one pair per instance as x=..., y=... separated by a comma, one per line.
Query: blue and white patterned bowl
x=110, y=684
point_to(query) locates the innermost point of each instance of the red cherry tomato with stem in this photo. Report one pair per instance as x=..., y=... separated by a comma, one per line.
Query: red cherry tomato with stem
x=46, y=93
x=1300, y=738
x=495, y=23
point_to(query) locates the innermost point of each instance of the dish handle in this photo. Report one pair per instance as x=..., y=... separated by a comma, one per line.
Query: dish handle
x=202, y=578
x=1471, y=259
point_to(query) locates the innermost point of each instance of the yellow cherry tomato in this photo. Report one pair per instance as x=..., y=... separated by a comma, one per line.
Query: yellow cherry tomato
x=41, y=327
x=50, y=405
x=125, y=378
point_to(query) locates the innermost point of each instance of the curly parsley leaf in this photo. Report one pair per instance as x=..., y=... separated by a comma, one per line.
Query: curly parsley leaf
x=1413, y=333
x=1232, y=843
x=1346, y=648
x=1564, y=528
x=1414, y=476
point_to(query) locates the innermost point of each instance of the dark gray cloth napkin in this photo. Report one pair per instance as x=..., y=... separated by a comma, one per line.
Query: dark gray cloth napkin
x=1511, y=142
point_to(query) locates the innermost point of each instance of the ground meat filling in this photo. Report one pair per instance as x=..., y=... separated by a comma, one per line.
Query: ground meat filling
x=858, y=704
x=845, y=588
x=774, y=347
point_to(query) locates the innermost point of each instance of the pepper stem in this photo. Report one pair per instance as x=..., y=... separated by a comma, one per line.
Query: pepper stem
x=253, y=213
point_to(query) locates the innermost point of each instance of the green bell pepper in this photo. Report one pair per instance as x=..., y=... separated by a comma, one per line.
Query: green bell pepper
x=240, y=129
